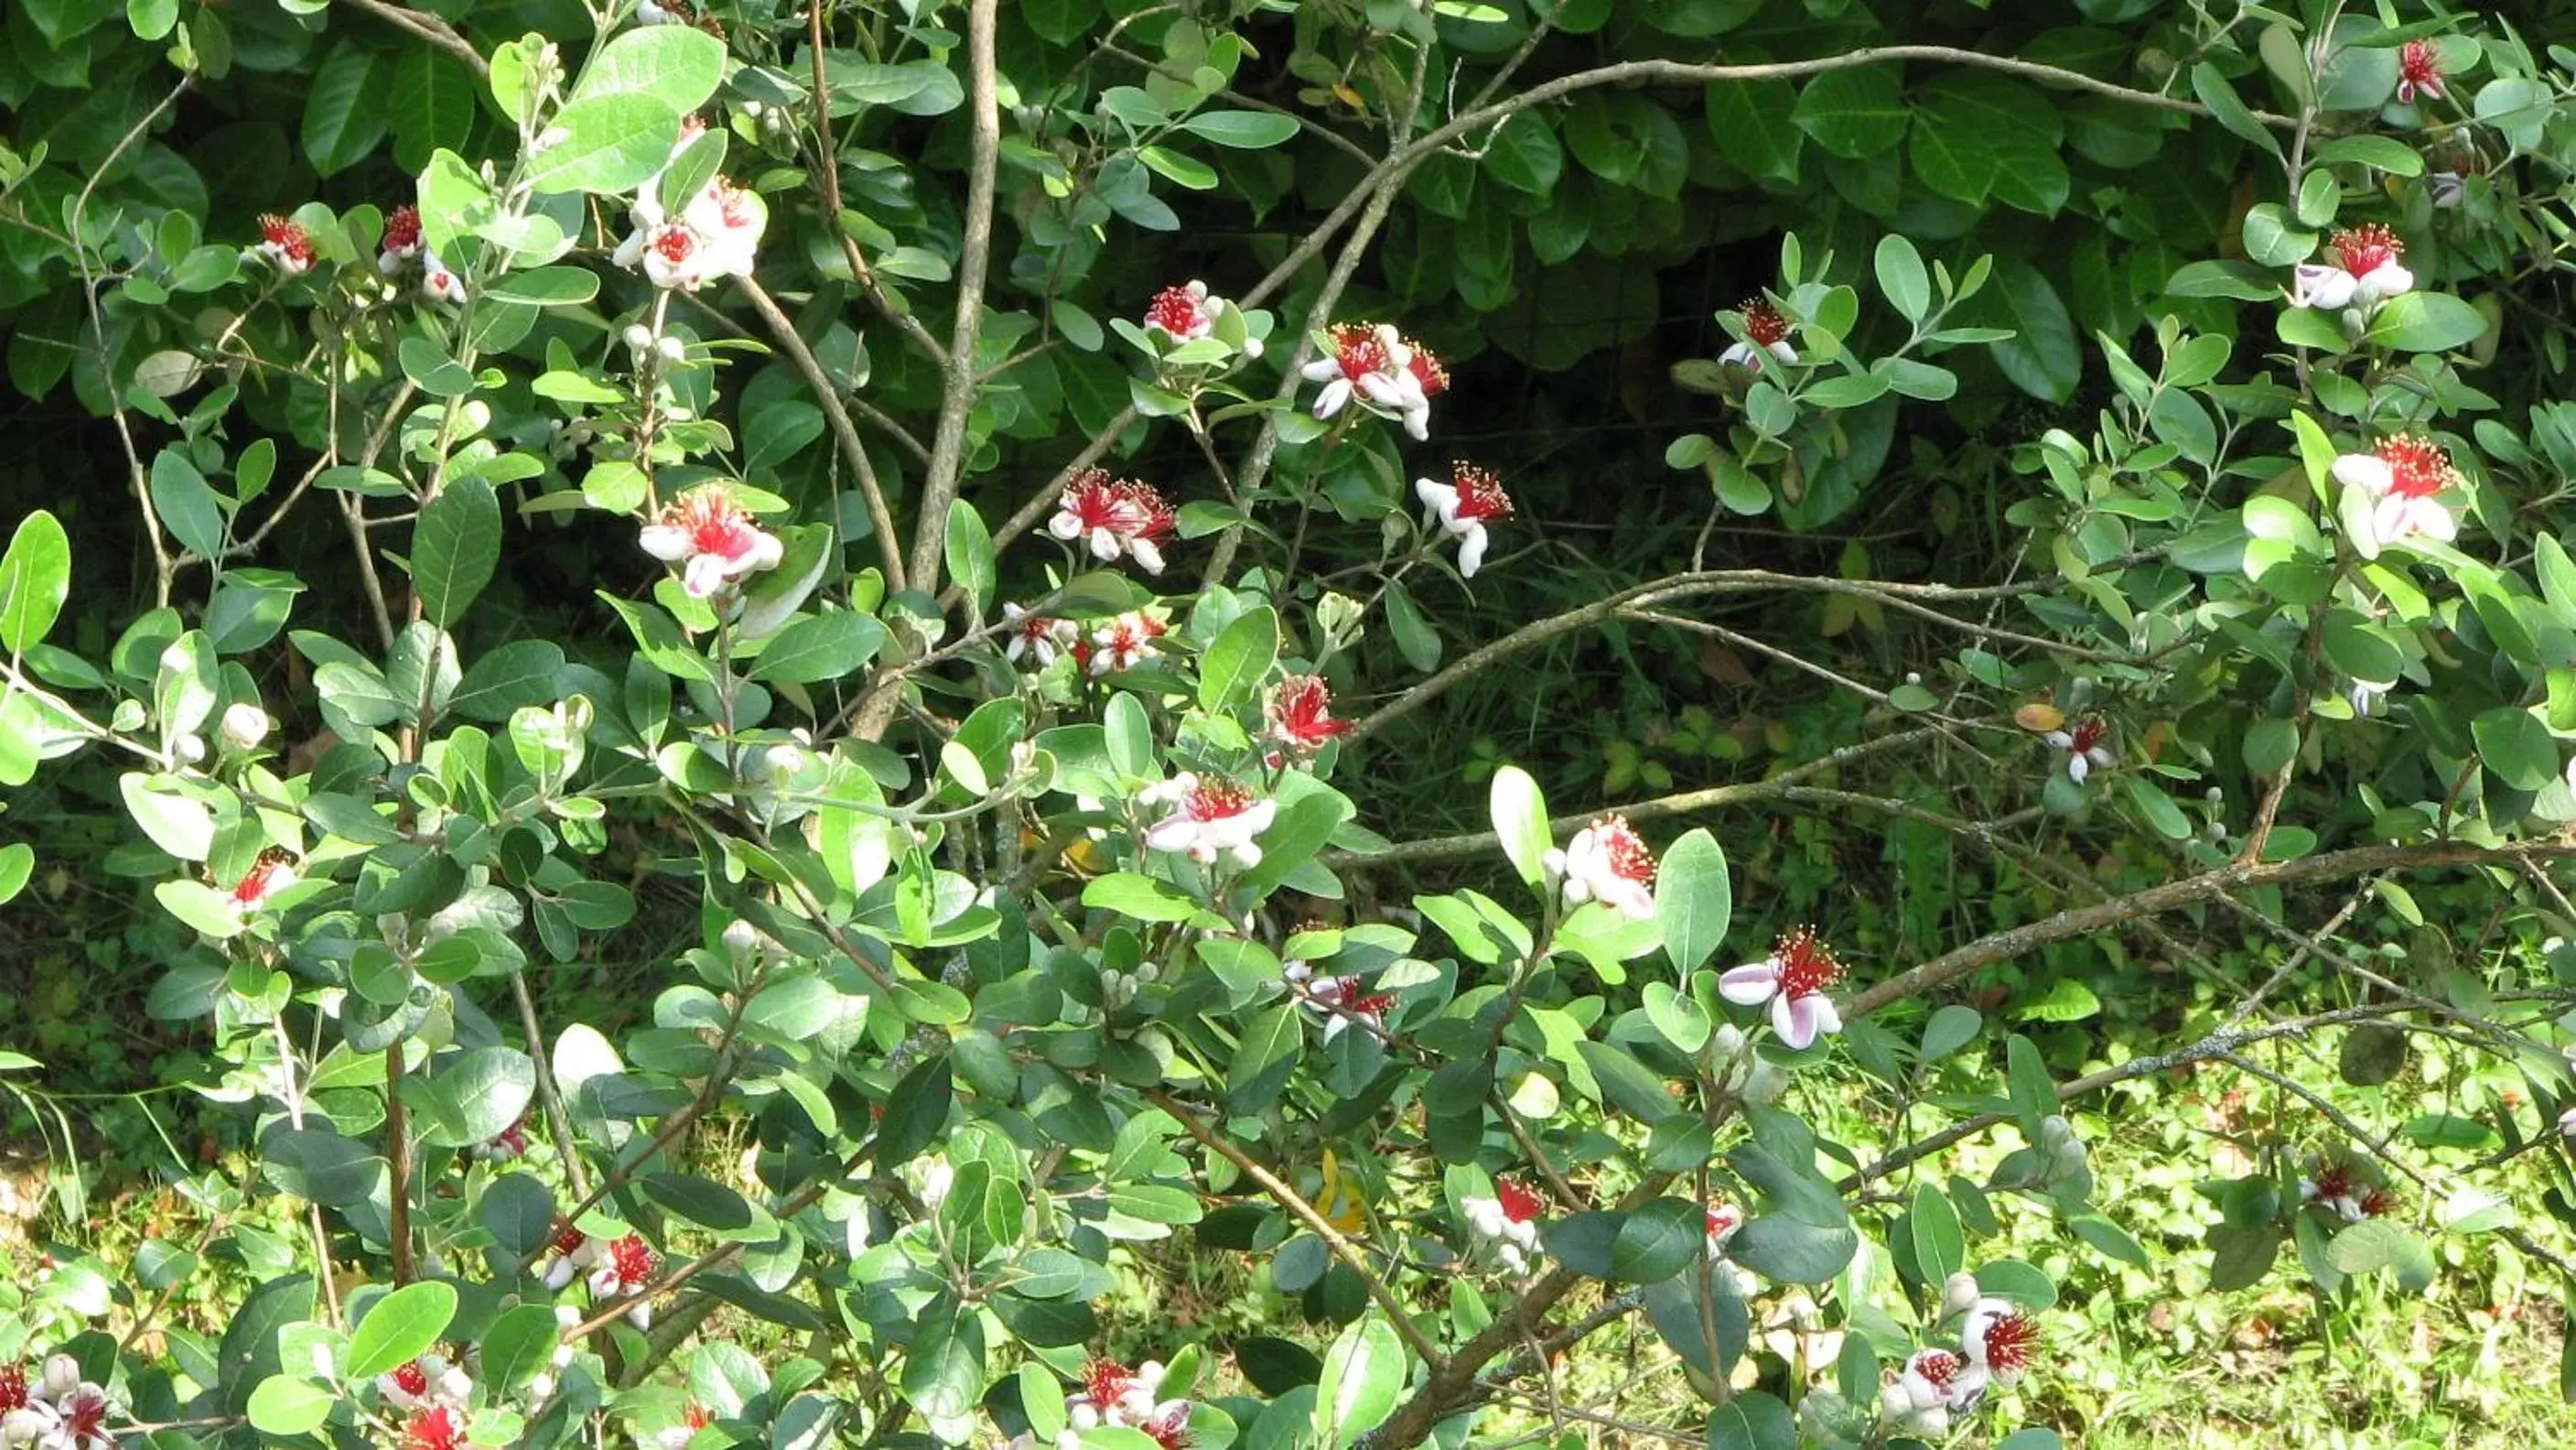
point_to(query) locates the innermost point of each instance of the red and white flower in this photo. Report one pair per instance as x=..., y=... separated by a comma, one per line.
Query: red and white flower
x=1999, y=1341
x=2347, y=1193
x=716, y=235
x=1472, y=498
x=1040, y=637
x=2404, y=478
x=1301, y=715
x=1608, y=862
x=1114, y=516
x=508, y=1145
x=2087, y=745
x=712, y=538
x=1121, y=644
x=428, y=1380
x=2419, y=71
x=1114, y=1395
x=437, y=1427
x=626, y=1267
x=693, y=1419
x=404, y=252
x=1766, y=335
x=1508, y=1222
x=1795, y=980
x=284, y=242
x=1185, y=313
x=1208, y=817
x=1169, y=1428
x=570, y=1252
x=1373, y=365
x=1933, y=1383
x=60, y=1411
x=270, y=873
x=2362, y=270
x=1341, y=1001
x=1724, y=1219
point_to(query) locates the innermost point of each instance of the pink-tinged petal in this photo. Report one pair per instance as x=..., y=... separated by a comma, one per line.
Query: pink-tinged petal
x=2434, y=521
x=1104, y=545
x=2390, y=520
x=1172, y=833
x=1817, y=1015
x=766, y=550
x=1321, y=370
x=2367, y=471
x=2315, y=284
x=1147, y=555
x=1795, y=1028
x=2388, y=279
x=666, y=542
x=1334, y=396
x=704, y=577
x=1784, y=351
x=1471, y=551
x=1066, y=526
x=1256, y=818
x=1742, y=355
x=1750, y=985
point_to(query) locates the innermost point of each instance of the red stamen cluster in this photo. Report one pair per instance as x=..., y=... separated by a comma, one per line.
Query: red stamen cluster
x=2419, y=64
x=1301, y=713
x=1216, y=797
x=2418, y=467
x=1427, y=369
x=1170, y=1429
x=261, y=878
x=1105, y=1380
x=1939, y=1366
x=2011, y=1342
x=2088, y=732
x=13, y=1388
x=1807, y=965
x=287, y=235
x=413, y=1379
x=434, y=1428
x=1630, y=858
x=569, y=1239
x=697, y=1416
x=1520, y=1203
x=1763, y=322
x=1357, y=349
x=714, y=523
x=633, y=1259
x=1480, y=494
x=2378, y=1203
x=1123, y=506
x=402, y=229
x=675, y=244
x=1175, y=310
x=2364, y=250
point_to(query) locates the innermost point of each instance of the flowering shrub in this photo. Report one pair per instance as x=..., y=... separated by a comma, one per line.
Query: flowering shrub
x=1007, y=959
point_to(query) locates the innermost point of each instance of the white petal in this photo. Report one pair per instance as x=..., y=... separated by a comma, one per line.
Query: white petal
x=704, y=576
x=1104, y=545
x=1321, y=370
x=2077, y=767
x=2434, y=521
x=1146, y=554
x=2317, y=285
x=1334, y=396
x=1750, y=985
x=1784, y=351
x=2060, y=739
x=1471, y=551
x=2364, y=471
x=666, y=542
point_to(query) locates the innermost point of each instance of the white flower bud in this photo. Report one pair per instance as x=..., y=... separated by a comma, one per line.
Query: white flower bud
x=672, y=349
x=62, y=1377
x=638, y=336
x=245, y=726
x=1252, y=347
x=1914, y=677
x=1959, y=1294
x=741, y=939
x=476, y=414
x=190, y=747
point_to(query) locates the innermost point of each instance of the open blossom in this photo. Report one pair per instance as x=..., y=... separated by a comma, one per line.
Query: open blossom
x=1372, y=364
x=1463, y=506
x=1301, y=715
x=1038, y=636
x=1933, y=1383
x=1208, y=817
x=693, y=1419
x=2404, y=477
x=285, y=244
x=60, y=1411
x=437, y=1427
x=2365, y=695
x=1185, y=313
x=404, y=252
x=570, y=1252
x=427, y=1380
x=1999, y=1341
x=626, y=1267
x=1508, y=1222
x=2340, y=1189
x=712, y=538
x=1724, y=1219
x=270, y=873
x=1121, y=644
x=1340, y=1000
x=508, y=1145
x=2087, y=746
x=2362, y=269
x=2419, y=71
x=1608, y=862
x=1114, y=516
x=1767, y=335
x=1794, y=979
x=717, y=234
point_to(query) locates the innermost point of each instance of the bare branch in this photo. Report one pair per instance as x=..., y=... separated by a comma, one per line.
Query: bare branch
x=974, y=261
x=853, y=452
x=429, y=28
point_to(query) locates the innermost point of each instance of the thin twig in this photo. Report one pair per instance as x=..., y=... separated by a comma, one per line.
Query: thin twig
x=854, y=452
x=974, y=260
x=429, y=28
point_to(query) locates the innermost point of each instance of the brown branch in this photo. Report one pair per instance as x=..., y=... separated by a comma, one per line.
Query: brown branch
x=2207, y=887
x=429, y=28
x=854, y=452
x=1290, y=1199
x=827, y=166
x=975, y=259
x=549, y=1096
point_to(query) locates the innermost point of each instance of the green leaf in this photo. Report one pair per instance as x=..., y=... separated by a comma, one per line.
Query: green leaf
x=676, y=65
x=186, y=505
x=1520, y=820
x=401, y=1327
x=1902, y=278
x=1940, y=1249
x=283, y=1405
x=2516, y=746
x=1269, y=1049
x=475, y=1096
x=518, y=1345
x=547, y=287
x=1854, y=114
x=1754, y=129
x=968, y=551
x=2158, y=808
x=17, y=863
x=2034, y=1096
x=2041, y=357
x=455, y=547
x=1364, y=1372
x=916, y=1112
x=1754, y=1420
x=2210, y=84
x=1976, y=132
x=35, y=579
x=1239, y=659
x=177, y=822
x=1778, y=1246
x=1658, y=1240
x=151, y=19
x=1525, y=155
x=822, y=647
x=432, y=105
x=344, y=110
x=2426, y=322
x=1694, y=900
x=611, y=143
x=1242, y=130
x=1415, y=639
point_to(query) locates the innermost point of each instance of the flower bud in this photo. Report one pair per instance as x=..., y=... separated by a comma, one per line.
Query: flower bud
x=638, y=336
x=476, y=414
x=1914, y=677
x=1959, y=1294
x=672, y=349
x=62, y=1377
x=245, y=726
x=741, y=939
x=190, y=747
x=1252, y=347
